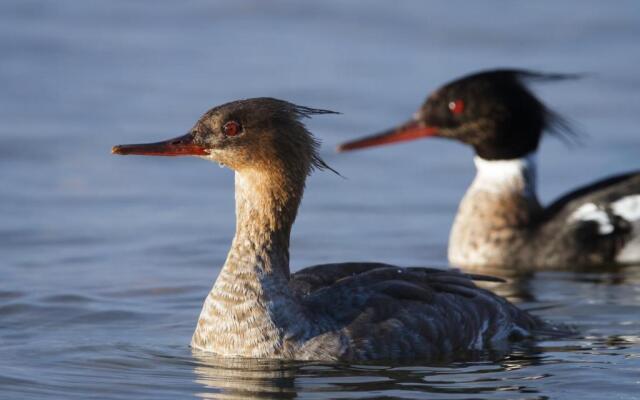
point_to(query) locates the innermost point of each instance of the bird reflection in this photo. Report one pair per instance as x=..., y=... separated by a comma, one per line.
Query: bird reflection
x=516, y=286
x=235, y=378
x=222, y=378
x=527, y=287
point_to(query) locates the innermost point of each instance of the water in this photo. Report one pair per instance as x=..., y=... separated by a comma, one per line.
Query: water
x=106, y=260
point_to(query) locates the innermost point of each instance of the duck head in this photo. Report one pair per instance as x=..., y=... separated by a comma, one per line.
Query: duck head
x=260, y=133
x=492, y=111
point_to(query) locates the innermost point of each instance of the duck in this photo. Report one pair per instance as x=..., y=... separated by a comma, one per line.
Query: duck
x=500, y=223
x=353, y=311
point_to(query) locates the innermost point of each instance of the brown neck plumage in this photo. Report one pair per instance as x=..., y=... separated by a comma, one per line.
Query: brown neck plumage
x=251, y=304
x=266, y=207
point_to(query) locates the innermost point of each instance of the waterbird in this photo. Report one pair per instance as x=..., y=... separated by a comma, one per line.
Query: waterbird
x=334, y=312
x=500, y=223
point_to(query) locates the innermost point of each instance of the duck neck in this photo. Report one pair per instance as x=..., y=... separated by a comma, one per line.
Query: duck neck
x=251, y=307
x=266, y=208
x=499, y=207
x=515, y=177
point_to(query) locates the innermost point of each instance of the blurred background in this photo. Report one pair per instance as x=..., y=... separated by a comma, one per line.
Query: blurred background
x=109, y=258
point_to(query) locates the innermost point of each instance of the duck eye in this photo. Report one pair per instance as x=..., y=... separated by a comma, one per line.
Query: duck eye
x=231, y=128
x=456, y=107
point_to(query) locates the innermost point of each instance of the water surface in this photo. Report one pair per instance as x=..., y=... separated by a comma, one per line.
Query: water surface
x=106, y=260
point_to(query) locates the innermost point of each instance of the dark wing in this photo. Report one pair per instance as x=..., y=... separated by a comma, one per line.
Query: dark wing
x=606, y=190
x=596, y=221
x=313, y=278
x=392, y=312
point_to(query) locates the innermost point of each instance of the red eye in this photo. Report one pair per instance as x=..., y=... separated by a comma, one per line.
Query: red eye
x=456, y=107
x=231, y=128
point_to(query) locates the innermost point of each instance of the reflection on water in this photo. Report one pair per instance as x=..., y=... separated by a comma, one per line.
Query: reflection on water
x=240, y=379
x=520, y=287
x=245, y=379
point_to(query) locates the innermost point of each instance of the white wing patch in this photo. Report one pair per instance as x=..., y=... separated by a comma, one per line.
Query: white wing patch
x=627, y=207
x=591, y=212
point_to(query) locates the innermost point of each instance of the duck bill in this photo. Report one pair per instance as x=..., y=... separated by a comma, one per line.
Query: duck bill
x=180, y=146
x=405, y=132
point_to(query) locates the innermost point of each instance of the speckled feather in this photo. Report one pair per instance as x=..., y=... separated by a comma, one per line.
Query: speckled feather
x=386, y=312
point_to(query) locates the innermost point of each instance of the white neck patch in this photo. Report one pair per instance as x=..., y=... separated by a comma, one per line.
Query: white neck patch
x=518, y=174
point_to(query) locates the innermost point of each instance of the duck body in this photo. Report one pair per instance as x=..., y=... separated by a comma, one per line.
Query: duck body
x=350, y=311
x=378, y=312
x=500, y=223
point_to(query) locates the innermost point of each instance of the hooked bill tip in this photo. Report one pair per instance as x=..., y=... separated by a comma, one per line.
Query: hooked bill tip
x=348, y=146
x=117, y=150
x=121, y=149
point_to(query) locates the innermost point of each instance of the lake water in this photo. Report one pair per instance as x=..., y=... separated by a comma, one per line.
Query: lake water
x=106, y=260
